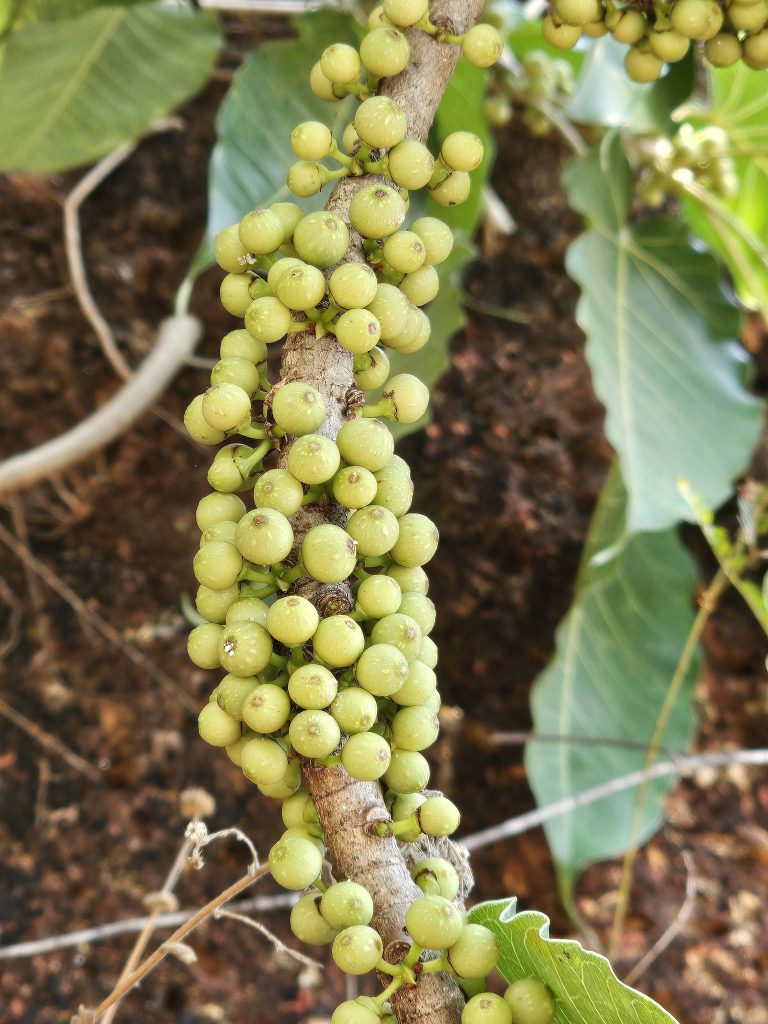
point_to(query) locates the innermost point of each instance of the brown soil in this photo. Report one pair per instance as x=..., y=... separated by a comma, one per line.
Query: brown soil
x=510, y=468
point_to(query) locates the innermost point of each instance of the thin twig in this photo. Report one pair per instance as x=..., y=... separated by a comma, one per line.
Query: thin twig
x=179, y=935
x=673, y=930
x=684, y=766
x=50, y=743
x=145, y=935
x=280, y=8
x=280, y=946
x=104, y=628
x=131, y=925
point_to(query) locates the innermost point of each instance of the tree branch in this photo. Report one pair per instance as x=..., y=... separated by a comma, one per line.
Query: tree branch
x=347, y=807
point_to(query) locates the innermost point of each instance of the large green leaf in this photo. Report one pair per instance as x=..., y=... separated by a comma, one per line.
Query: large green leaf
x=585, y=988
x=661, y=344
x=72, y=90
x=604, y=95
x=616, y=653
x=269, y=96
x=738, y=227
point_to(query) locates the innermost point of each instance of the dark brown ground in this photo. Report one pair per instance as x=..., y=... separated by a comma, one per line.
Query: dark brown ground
x=510, y=469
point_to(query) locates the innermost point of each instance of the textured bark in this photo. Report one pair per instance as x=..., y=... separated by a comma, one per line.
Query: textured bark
x=346, y=807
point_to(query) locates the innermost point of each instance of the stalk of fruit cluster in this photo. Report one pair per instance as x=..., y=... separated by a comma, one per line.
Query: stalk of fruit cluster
x=348, y=809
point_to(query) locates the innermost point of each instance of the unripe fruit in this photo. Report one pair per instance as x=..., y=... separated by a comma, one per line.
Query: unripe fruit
x=213, y=604
x=436, y=877
x=340, y=63
x=346, y=904
x=376, y=210
x=408, y=772
x=354, y=709
x=378, y=596
x=313, y=459
x=382, y=669
x=486, y=1008
x=385, y=52
x=433, y=922
x=268, y=319
x=475, y=953
x=641, y=65
x=216, y=508
x=404, y=808
x=298, y=408
x=668, y=45
x=748, y=17
x=556, y=34
x=453, y=190
x=234, y=750
x=286, y=786
x=202, y=645
x=264, y=536
x=417, y=541
x=248, y=609
x=417, y=728
x=462, y=151
x=295, y=863
x=308, y=924
x=321, y=238
x=366, y=756
x=280, y=267
x=410, y=581
x=234, y=293
x=366, y=442
x=756, y=50
x=225, y=474
x=278, y=489
x=483, y=45
x=339, y=641
x=298, y=809
x=320, y=85
x=349, y=139
x=219, y=531
x=354, y=487
x=390, y=307
x=301, y=287
x=410, y=164
x=357, y=950
x=312, y=687
x=236, y=371
x=258, y=288
x=357, y=330
x=428, y=652
x=531, y=1001
x=405, y=12
x=421, y=286
x=328, y=553
x=697, y=19
x=438, y=816
x=228, y=251
x=314, y=733
x=436, y=236
x=416, y=333
x=224, y=406
x=261, y=232
x=292, y=620
x=404, y=251
x=375, y=370
x=216, y=727
x=381, y=122
x=352, y=285
x=418, y=687
x=394, y=491
x=723, y=50
x=217, y=565
x=306, y=179
x=198, y=428
x=266, y=708
x=353, y=1011
x=375, y=530
x=289, y=213
x=579, y=12
x=421, y=609
x=244, y=648
x=401, y=631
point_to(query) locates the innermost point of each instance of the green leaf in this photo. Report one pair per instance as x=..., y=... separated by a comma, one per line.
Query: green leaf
x=616, y=652
x=585, y=988
x=662, y=348
x=739, y=109
x=269, y=96
x=604, y=94
x=73, y=90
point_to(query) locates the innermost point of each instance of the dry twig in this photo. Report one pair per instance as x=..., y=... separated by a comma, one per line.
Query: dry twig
x=50, y=743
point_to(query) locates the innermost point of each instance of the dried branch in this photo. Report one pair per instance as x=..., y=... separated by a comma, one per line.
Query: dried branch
x=346, y=807
x=50, y=743
x=280, y=947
